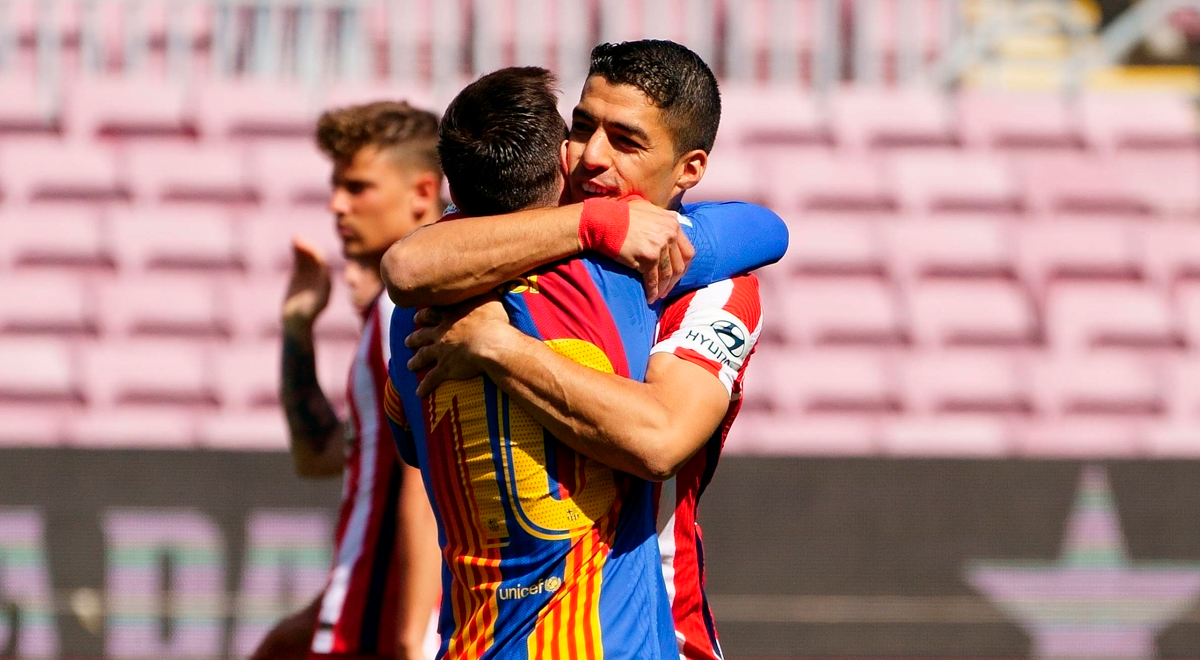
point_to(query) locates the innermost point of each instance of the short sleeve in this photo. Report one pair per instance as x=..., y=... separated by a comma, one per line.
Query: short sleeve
x=398, y=421
x=715, y=327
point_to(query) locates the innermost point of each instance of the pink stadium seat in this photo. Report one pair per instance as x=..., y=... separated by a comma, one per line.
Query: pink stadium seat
x=1099, y=384
x=846, y=311
x=256, y=109
x=844, y=381
x=255, y=305
x=1080, y=438
x=26, y=109
x=1082, y=315
x=949, y=181
x=37, y=370
x=1015, y=120
x=733, y=176
x=187, y=173
x=268, y=237
x=290, y=174
x=163, y=305
x=829, y=180
x=46, y=303
x=949, y=435
x=882, y=117
x=128, y=107
x=968, y=246
x=972, y=313
x=1139, y=120
x=1184, y=379
x=1172, y=251
x=259, y=430
x=1169, y=181
x=151, y=372
x=132, y=427
x=1079, y=249
x=770, y=116
x=802, y=435
x=175, y=238
x=53, y=237
x=340, y=320
x=40, y=170
x=1173, y=439
x=22, y=427
x=1071, y=182
x=1187, y=308
x=247, y=375
x=966, y=381
x=841, y=246
x=346, y=93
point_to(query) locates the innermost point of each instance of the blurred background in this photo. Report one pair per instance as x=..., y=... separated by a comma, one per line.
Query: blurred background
x=973, y=426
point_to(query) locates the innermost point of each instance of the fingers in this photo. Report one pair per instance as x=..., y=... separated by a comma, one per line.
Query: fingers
x=429, y=316
x=665, y=272
x=429, y=383
x=422, y=359
x=650, y=281
x=423, y=336
x=304, y=250
x=678, y=266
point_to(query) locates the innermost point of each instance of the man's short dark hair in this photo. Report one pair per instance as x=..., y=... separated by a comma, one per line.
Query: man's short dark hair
x=499, y=142
x=675, y=80
x=395, y=126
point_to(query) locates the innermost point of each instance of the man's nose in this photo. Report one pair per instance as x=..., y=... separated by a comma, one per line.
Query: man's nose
x=338, y=201
x=597, y=155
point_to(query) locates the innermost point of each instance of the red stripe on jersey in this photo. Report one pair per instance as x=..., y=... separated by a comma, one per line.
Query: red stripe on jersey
x=584, y=313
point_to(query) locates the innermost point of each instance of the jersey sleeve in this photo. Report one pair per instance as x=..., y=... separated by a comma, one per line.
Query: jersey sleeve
x=730, y=238
x=716, y=327
x=398, y=421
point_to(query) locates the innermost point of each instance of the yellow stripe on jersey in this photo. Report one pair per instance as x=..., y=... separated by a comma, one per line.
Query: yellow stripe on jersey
x=392, y=406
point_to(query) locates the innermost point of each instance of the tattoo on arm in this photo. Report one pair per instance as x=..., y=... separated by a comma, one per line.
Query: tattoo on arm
x=310, y=417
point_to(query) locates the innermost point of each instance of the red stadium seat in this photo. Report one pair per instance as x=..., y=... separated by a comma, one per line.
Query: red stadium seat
x=289, y=174
x=148, y=372
x=256, y=109
x=1139, y=120
x=880, y=117
x=842, y=311
x=128, y=107
x=268, y=237
x=163, y=305
x=1071, y=182
x=132, y=427
x=950, y=181
x=1168, y=181
x=49, y=170
x=830, y=181
x=1080, y=438
x=1172, y=251
x=1079, y=249
x=972, y=313
x=951, y=435
x=176, y=238
x=37, y=370
x=844, y=381
x=187, y=173
x=1015, y=120
x=53, y=237
x=1099, y=384
x=46, y=303
x=247, y=375
x=966, y=381
x=259, y=430
x=841, y=246
x=1081, y=316
x=26, y=108
x=969, y=246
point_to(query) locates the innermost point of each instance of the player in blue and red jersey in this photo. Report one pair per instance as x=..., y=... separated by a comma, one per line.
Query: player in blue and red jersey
x=548, y=553
x=644, y=104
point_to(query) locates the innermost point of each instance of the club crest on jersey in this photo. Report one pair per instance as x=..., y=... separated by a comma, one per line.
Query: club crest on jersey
x=522, y=285
x=731, y=335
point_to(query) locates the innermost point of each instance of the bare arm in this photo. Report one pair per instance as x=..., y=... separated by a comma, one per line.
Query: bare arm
x=291, y=638
x=420, y=563
x=449, y=262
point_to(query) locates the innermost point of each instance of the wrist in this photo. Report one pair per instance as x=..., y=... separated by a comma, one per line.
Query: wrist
x=298, y=328
x=603, y=225
x=493, y=347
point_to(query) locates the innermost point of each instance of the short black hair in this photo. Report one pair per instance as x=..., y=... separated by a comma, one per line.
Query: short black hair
x=675, y=80
x=499, y=142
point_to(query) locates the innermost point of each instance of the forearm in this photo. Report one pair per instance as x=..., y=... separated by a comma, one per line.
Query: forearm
x=313, y=426
x=419, y=564
x=449, y=262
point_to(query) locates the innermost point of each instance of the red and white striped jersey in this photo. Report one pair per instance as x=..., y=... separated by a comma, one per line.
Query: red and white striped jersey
x=716, y=327
x=358, y=610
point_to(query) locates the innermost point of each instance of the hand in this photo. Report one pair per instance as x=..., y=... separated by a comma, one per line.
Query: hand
x=309, y=286
x=656, y=247
x=291, y=638
x=447, y=341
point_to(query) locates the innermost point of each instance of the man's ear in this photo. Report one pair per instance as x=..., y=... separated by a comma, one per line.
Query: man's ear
x=690, y=169
x=562, y=159
x=427, y=186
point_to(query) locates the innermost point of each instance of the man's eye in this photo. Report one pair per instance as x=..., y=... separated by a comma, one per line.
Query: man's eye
x=355, y=188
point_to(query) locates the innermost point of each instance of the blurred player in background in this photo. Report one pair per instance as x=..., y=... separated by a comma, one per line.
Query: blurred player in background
x=646, y=121
x=384, y=582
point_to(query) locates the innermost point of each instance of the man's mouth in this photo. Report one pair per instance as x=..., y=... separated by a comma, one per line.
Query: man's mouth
x=596, y=190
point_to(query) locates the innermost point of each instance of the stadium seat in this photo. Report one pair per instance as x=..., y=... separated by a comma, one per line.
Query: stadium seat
x=833, y=246
x=255, y=304
x=1080, y=439
x=840, y=311
x=1077, y=183
x=1137, y=120
x=802, y=435
x=46, y=303
x=1171, y=250
x=256, y=109
x=247, y=375
x=829, y=180
x=951, y=247
x=827, y=381
x=1016, y=120
x=268, y=237
x=131, y=427
x=259, y=430
x=1184, y=380
x=1099, y=384
x=1062, y=249
x=36, y=170
x=26, y=108
x=732, y=176
x=946, y=436
x=163, y=305
x=60, y=237
x=345, y=93
x=880, y=117
x=21, y=426
x=1168, y=181
x=966, y=382
x=148, y=372
x=189, y=173
x=950, y=181
x=1172, y=440
x=1080, y=316
x=175, y=238
x=980, y=313
x=289, y=174
x=1187, y=309
x=37, y=370
x=128, y=107
x=770, y=117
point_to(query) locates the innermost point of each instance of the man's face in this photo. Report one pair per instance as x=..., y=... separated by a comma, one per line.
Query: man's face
x=619, y=145
x=376, y=202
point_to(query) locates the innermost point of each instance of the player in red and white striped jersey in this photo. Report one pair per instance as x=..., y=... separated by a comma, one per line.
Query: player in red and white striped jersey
x=385, y=579
x=716, y=328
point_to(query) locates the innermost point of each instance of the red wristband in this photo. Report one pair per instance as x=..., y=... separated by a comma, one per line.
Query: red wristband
x=603, y=225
